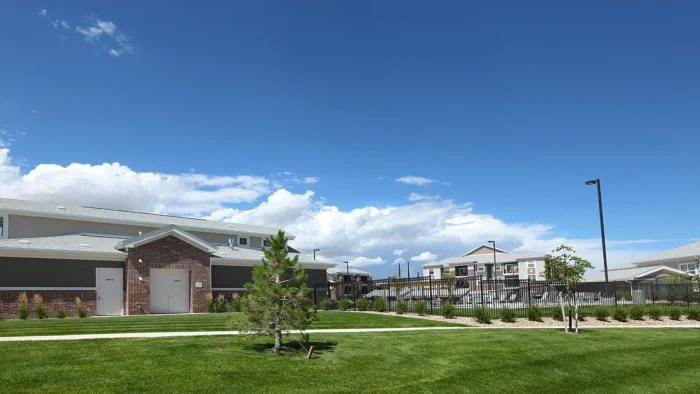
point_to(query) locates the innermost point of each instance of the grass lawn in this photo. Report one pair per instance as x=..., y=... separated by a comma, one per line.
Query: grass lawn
x=199, y=322
x=471, y=361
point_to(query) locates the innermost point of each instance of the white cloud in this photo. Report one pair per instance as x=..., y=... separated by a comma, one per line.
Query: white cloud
x=421, y=197
x=424, y=257
x=365, y=261
x=399, y=252
x=113, y=185
x=400, y=260
x=310, y=179
x=54, y=22
x=415, y=180
x=118, y=42
x=43, y=12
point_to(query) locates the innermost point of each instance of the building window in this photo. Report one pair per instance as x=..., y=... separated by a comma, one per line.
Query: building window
x=431, y=271
x=687, y=267
x=530, y=264
x=266, y=244
x=532, y=277
x=243, y=241
x=463, y=271
x=512, y=269
x=2, y=227
x=481, y=267
x=498, y=266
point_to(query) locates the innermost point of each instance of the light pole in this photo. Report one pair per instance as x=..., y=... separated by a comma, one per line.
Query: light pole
x=494, y=256
x=316, y=250
x=602, y=226
x=408, y=269
x=354, y=297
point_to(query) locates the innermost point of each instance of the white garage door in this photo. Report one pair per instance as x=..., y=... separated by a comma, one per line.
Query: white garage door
x=170, y=291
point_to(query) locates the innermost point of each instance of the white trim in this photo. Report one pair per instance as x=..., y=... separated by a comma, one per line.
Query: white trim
x=499, y=250
x=48, y=288
x=661, y=268
x=534, y=263
x=252, y=263
x=229, y=289
x=62, y=254
x=5, y=225
x=87, y=218
x=181, y=235
x=480, y=267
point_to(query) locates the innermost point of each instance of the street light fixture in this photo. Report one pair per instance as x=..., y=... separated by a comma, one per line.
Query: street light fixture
x=602, y=226
x=316, y=250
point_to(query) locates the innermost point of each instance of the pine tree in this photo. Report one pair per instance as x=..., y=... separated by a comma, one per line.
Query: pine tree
x=277, y=299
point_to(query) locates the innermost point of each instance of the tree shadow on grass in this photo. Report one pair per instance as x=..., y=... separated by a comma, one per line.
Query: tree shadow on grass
x=293, y=347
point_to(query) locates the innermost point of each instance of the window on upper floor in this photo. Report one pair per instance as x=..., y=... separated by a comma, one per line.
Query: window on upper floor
x=512, y=268
x=431, y=271
x=531, y=264
x=687, y=267
x=480, y=267
x=243, y=241
x=462, y=271
x=498, y=266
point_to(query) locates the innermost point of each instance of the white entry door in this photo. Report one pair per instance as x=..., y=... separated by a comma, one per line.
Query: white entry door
x=110, y=291
x=170, y=291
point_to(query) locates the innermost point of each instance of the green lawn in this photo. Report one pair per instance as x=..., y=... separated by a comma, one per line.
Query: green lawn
x=470, y=361
x=199, y=322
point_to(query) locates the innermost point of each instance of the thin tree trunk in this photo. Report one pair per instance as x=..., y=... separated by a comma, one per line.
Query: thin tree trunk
x=278, y=341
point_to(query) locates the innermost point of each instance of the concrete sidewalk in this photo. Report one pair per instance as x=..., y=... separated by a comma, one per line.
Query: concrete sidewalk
x=208, y=333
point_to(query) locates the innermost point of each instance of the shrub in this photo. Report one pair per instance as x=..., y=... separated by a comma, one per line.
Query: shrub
x=582, y=314
x=39, y=309
x=556, y=314
x=448, y=310
x=654, y=312
x=60, y=314
x=344, y=304
x=507, y=315
x=671, y=297
x=220, y=304
x=620, y=314
x=362, y=304
x=674, y=313
x=601, y=313
x=379, y=305
x=534, y=313
x=401, y=307
x=326, y=304
x=482, y=315
x=235, y=304
x=624, y=296
x=80, y=311
x=210, y=303
x=23, y=306
x=59, y=308
x=420, y=308
x=694, y=314
x=637, y=312
x=655, y=295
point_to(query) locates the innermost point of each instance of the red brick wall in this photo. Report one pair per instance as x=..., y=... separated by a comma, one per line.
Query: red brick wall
x=170, y=253
x=8, y=302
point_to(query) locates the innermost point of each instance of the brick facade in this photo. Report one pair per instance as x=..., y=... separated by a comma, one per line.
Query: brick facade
x=169, y=253
x=53, y=301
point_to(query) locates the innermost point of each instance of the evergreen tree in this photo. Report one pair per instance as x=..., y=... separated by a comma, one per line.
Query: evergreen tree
x=277, y=300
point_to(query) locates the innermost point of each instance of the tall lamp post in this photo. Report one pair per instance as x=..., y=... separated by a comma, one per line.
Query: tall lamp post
x=347, y=268
x=317, y=250
x=494, y=256
x=602, y=226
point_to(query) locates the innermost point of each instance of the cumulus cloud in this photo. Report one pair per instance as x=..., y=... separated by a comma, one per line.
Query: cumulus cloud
x=424, y=257
x=113, y=185
x=415, y=180
x=364, y=236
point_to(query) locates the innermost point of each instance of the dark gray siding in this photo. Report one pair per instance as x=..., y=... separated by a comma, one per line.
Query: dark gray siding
x=26, y=272
x=227, y=277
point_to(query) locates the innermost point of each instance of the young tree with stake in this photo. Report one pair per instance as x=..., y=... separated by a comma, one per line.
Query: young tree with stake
x=277, y=299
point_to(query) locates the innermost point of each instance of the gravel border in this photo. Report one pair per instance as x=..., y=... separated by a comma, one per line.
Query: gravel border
x=548, y=322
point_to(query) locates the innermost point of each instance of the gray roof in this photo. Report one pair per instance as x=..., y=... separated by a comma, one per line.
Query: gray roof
x=249, y=254
x=344, y=270
x=686, y=252
x=66, y=243
x=625, y=274
x=161, y=232
x=487, y=258
x=33, y=208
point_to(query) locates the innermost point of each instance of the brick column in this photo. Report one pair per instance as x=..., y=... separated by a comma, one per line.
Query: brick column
x=168, y=253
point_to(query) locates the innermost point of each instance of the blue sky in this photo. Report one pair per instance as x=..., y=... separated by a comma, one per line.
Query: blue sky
x=509, y=107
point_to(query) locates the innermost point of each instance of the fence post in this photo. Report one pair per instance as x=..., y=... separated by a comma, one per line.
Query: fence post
x=481, y=284
x=388, y=299
x=529, y=299
x=329, y=292
x=430, y=284
x=615, y=293
x=687, y=295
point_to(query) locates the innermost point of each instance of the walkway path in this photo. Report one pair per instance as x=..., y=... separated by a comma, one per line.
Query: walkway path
x=324, y=331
